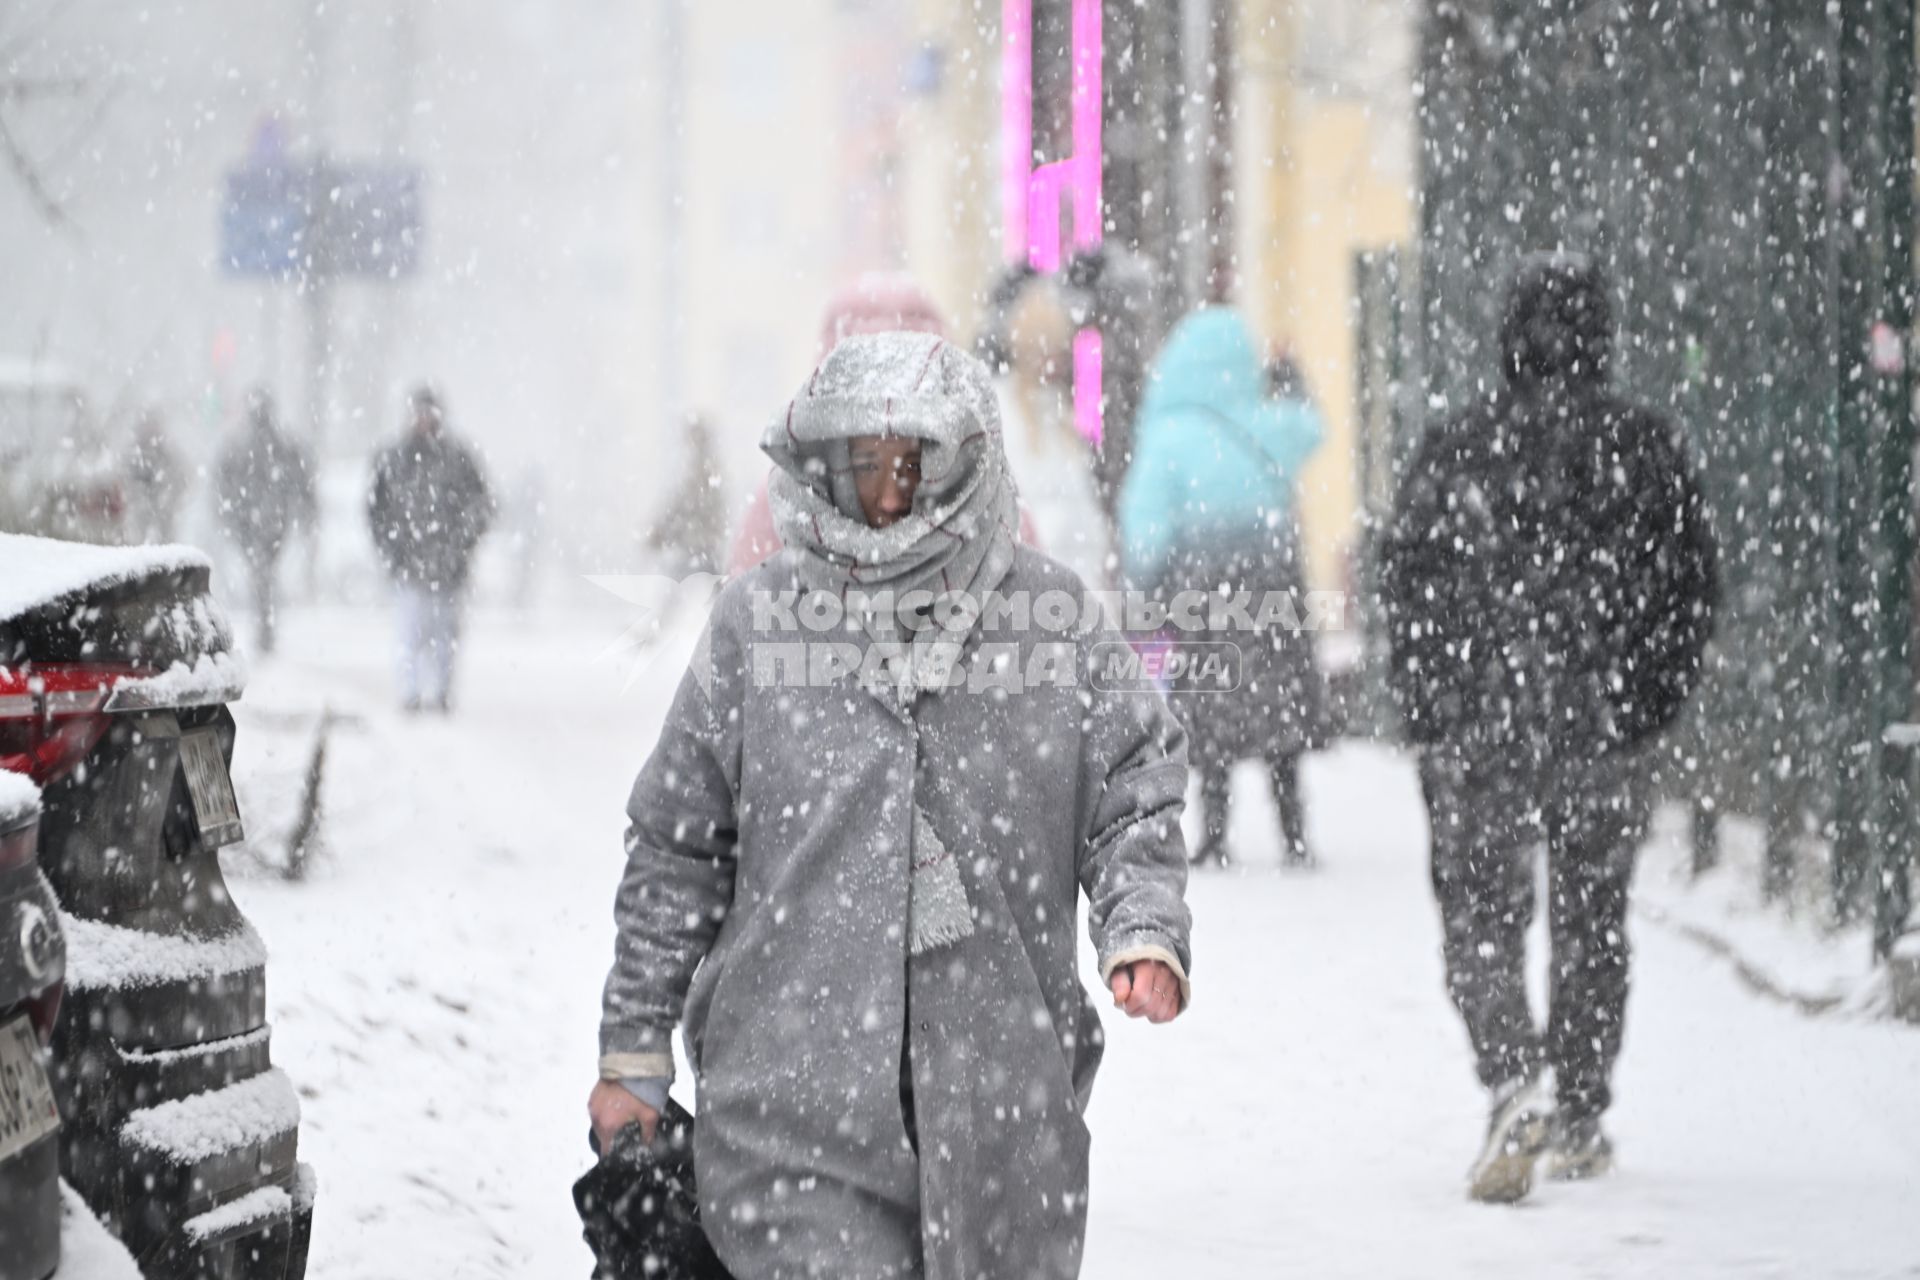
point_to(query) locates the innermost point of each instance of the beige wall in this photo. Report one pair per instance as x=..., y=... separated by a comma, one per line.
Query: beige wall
x=1344, y=207
x=950, y=161
x=1321, y=173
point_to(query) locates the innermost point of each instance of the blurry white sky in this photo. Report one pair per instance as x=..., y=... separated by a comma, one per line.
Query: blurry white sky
x=530, y=123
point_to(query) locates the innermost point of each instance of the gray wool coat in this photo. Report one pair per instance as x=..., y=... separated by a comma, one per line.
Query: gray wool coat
x=764, y=909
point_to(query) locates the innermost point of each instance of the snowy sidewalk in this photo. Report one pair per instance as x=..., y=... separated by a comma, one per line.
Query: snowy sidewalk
x=434, y=992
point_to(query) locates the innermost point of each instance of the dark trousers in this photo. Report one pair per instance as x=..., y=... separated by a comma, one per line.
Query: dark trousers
x=1487, y=820
x=263, y=573
x=1216, y=773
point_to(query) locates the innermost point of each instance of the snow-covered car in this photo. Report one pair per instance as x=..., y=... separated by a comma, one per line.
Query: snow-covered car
x=116, y=667
x=32, y=968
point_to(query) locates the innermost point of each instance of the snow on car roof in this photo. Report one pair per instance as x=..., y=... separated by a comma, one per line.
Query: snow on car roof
x=19, y=799
x=38, y=571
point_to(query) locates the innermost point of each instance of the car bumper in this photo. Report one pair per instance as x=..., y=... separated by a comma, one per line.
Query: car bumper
x=159, y=1146
x=263, y=1234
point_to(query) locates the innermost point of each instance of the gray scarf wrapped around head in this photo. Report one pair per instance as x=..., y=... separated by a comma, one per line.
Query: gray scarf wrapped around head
x=959, y=536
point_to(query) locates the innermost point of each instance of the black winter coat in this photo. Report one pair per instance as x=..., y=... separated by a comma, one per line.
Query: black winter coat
x=1550, y=575
x=429, y=506
x=264, y=485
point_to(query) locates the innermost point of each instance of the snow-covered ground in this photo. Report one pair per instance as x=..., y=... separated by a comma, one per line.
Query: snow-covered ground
x=435, y=980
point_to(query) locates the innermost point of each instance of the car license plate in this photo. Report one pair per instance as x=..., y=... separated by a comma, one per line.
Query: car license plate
x=212, y=790
x=27, y=1110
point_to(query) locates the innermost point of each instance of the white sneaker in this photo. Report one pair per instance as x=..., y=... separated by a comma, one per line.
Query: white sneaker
x=1518, y=1133
x=1580, y=1152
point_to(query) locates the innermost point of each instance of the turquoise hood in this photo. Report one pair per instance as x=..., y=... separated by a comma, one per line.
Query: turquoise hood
x=1214, y=456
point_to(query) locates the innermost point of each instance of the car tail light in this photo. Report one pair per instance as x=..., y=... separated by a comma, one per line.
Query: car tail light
x=50, y=716
x=39, y=945
x=43, y=1010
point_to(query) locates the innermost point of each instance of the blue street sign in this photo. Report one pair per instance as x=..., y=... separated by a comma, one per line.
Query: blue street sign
x=372, y=220
x=328, y=220
x=263, y=221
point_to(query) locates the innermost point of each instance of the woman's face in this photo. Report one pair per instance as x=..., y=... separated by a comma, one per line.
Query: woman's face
x=886, y=471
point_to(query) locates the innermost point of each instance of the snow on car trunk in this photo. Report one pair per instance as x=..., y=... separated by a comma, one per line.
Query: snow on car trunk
x=36, y=572
x=74, y=601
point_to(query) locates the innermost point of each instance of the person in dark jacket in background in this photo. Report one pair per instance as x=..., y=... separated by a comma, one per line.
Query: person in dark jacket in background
x=1549, y=580
x=429, y=506
x=156, y=480
x=263, y=486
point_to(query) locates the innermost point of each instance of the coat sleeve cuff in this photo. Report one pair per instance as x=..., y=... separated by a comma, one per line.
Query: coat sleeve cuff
x=1149, y=951
x=626, y=1066
x=651, y=1090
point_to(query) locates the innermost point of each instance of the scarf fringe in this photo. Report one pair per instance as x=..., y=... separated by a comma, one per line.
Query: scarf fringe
x=937, y=907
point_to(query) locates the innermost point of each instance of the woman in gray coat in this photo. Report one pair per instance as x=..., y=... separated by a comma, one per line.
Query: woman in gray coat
x=856, y=853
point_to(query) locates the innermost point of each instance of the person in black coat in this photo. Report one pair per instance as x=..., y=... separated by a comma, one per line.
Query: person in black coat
x=428, y=508
x=1548, y=584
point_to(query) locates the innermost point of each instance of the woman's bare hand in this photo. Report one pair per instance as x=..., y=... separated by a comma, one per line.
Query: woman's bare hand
x=1146, y=989
x=612, y=1108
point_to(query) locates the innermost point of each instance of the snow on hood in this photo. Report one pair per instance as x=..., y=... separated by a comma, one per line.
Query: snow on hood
x=102, y=955
x=40, y=571
x=19, y=800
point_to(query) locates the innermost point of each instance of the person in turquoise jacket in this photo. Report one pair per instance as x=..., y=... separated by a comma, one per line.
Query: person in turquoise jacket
x=1208, y=504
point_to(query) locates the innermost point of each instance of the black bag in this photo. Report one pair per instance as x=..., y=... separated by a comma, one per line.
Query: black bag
x=638, y=1209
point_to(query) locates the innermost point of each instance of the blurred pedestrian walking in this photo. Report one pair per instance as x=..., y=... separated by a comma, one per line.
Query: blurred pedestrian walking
x=429, y=507
x=1209, y=505
x=264, y=491
x=1549, y=582
x=1113, y=290
x=1052, y=464
x=156, y=481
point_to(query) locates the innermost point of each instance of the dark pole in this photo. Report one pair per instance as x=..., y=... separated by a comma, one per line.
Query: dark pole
x=1872, y=524
x=1891, y=176
x=1219, y=174
x=1796, y=611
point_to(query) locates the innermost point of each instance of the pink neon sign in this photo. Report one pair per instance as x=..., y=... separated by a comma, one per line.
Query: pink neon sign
x=1032, y=199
